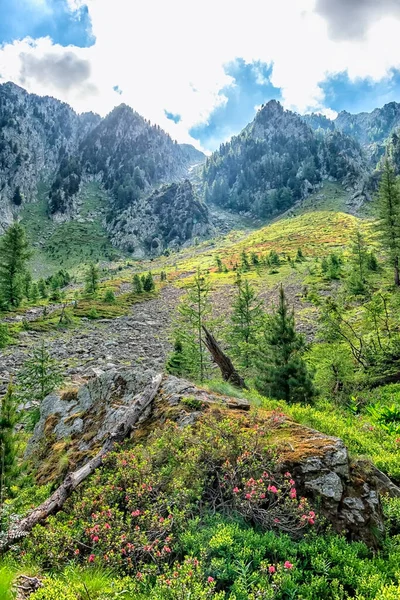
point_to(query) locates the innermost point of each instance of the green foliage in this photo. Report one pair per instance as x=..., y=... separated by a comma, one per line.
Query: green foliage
x=8, y=420
x=137, y=284
x=193, y=312
x=148, y=283
x=331, y=267
x=39, y=376
x=42, y=287
x=4, y=335
x=14, y=254
x=131, y=513
x=109, y=297
x=246, y=319
x=7, y=575
x=92, y=279
x=389, y=216
x=281, y=369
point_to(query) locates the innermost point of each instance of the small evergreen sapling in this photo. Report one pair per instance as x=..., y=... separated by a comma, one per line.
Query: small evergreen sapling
x=282, y=371
x=8, y=420
x=40, y=375
x=137, y=284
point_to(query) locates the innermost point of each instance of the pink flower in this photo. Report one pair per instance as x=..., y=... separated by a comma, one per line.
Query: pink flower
x=210, y=579
x=248, y=496
x=272, y=489
x=271, y=569
x=311, y=514
x=76, y=552
x=139, y=575
x=91, y=558
x=293, y=493
x=236, y=490
x=135, y=513
x=287, y=474
x=311, y=521
x=277, y=520
x=262, y=496
x=292, y=482
x=288, y=565
x=167, y=549
x=95, y=538
x=107, y=526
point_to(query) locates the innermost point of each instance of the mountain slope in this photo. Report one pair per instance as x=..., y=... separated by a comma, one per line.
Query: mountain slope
x=44, y=140
x=277, y=160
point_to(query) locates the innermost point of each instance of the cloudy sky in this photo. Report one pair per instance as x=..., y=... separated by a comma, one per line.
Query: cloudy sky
x=201, y=69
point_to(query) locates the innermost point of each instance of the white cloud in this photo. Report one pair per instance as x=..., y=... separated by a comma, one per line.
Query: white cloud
x=171, y=55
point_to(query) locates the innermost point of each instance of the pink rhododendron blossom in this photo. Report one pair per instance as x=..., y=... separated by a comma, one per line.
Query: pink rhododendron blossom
x=210, y=579
x=271, y=569
x=288, y=565
x=91, y=558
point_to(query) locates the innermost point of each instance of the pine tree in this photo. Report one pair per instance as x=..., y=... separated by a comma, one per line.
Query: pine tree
x=42, y=287
x=244, y=261
x=282, y=372
x=219, y=264
x=92, y=279
x=40, y=375
x=27, y=285
x=34, y=293
x=14, y=254
x=148, y=283
x=176, y=363
x=137, y=284
x=389, y=217
x=193, y=311
x=359, y=262
x=246, y=320
x=8, y=420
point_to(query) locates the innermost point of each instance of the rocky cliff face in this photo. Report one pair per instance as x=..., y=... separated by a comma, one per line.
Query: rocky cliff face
x=44, y=140
x=76, y=422
x=35, y=134
x=170, y=217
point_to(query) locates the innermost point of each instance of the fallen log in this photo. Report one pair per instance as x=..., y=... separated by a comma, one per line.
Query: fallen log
x=55, y=502
x=223, y=361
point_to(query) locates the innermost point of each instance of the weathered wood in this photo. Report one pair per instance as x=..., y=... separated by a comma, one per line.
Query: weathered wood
x=56, y=501
x=223, y=361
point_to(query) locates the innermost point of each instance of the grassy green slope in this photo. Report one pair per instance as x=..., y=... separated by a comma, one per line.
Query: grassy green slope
x=72, y=243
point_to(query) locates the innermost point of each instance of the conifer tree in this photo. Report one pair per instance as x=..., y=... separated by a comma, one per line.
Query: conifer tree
x=34, y=293
x=137, y=284
x=27, y=285
x=246, y=320
x=14, y=254
x=359, y=263
x=282, y=371
x=244, y=261
x=148, y=283
x=8, y=420
x=389, y=217
x=92, y=279
x=193, y=311
x=40, y=375
x=42, y=287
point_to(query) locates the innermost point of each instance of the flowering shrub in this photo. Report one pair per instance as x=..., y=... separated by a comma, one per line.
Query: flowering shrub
x=131, y=512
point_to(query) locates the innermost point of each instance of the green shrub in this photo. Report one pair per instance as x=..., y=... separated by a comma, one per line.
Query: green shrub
x=93, y=314
x=109, y=297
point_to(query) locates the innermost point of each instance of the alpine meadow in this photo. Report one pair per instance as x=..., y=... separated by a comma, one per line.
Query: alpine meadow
x=199, y=301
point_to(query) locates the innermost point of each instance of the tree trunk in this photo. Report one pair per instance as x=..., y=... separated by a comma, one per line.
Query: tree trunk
x=396, y=272
x=228, y=371
x=56, y=501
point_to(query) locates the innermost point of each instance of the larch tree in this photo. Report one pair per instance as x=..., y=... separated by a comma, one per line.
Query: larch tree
x=389, y=217
x=14, y=255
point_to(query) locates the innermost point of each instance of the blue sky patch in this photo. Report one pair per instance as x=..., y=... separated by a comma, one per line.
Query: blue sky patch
x=252, y=87
x=40, y=18
x=117, y=89
x=172, y=116
x=361, y=94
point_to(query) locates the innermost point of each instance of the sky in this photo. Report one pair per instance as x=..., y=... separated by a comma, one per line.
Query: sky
x=201, y=70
